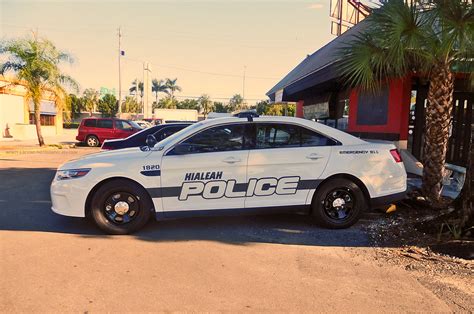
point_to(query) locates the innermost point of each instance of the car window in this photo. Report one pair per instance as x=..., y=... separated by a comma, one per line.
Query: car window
x=272, y=135
x=90, y=123
x=277, y=135
x=123, y=125
x=172, y=138
x=167, y=131
x=217, y=139
x=105, y=123
x=311, y=138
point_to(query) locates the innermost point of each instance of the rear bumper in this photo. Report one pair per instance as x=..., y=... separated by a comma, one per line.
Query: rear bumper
x=381, y=201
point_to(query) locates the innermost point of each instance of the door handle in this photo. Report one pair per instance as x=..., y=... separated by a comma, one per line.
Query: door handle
x=231, y=160
x=314, y=156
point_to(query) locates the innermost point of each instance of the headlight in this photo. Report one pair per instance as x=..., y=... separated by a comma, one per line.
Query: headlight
x=71, y=173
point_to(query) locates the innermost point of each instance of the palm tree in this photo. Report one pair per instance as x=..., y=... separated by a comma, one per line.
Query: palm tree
x=205, y=104
x=236, y=102
x=172, y=87
x=158, y=87
x=35, y=65
x=167, y=103
x=432, y=40
x=91, y=100
x=133, y=88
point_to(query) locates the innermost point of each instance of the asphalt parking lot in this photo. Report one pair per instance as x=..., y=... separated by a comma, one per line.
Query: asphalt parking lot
x=256, y=263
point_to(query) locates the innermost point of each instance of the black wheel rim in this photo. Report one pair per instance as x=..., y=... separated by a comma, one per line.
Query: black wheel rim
x=121, y=208
x=338, y=204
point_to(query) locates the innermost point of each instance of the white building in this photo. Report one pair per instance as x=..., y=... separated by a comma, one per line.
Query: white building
x=16, y=113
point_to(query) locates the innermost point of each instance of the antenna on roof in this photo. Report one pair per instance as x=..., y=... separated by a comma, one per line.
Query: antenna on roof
x=347, y=13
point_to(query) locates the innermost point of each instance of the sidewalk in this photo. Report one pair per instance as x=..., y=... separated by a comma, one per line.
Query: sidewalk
x=52, y=142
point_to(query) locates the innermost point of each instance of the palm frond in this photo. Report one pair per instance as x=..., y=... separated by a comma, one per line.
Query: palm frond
x=10, y=66
x=65, y=79
x=398, y=39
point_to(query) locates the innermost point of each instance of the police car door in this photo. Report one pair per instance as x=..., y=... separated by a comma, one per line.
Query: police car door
x=206, y=172
x=285, y=165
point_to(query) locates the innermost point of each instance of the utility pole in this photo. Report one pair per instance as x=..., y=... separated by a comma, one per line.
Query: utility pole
x=120, y=72
x=243, y=87
x=146, y=90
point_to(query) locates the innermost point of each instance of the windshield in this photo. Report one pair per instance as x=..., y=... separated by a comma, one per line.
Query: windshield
x=171, y=138
x=140, y=133
x=135, y=125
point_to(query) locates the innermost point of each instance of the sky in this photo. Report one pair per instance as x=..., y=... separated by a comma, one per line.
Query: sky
x=206, y=45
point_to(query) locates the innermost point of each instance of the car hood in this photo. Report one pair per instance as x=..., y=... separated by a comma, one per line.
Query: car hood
x=105, y=158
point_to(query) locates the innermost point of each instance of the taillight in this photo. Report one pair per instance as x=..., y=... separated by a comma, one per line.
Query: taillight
x=396, y=155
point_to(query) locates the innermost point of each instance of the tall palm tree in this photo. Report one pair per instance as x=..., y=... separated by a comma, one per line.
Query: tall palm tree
x=136, y=84
x=35, y=65
x=432, y=40
x=158, y=87
x=172, y=87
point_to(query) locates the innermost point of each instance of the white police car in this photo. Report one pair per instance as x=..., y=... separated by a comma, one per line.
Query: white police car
x=229, y=166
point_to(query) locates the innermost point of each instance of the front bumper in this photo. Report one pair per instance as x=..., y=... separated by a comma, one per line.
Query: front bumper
x=68, y=197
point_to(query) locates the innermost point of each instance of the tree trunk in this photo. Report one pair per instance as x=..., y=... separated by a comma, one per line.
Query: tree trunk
x=38, y=124
x=438, y=121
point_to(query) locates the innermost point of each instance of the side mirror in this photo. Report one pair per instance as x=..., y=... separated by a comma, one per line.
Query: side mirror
x=151, y=141
x=182, y=149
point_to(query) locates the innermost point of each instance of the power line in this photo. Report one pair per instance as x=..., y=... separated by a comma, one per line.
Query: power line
x=54, y=29
x=219, y=98
x=205, y=41
x=204, y=72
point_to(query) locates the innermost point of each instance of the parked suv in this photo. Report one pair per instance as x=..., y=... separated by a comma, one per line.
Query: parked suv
x=94, y=131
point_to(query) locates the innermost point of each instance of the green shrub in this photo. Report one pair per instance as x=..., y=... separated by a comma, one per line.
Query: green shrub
x=71, y=125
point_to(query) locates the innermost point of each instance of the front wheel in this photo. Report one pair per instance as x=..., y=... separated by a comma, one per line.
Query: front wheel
x=338, y=204
x=121, y=207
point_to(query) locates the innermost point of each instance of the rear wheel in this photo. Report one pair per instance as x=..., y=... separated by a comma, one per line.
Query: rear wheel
x=121, y=207
x=92, y=141
x=338, y=204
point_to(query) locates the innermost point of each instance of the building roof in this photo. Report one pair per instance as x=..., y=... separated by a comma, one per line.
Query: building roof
x=311, y=68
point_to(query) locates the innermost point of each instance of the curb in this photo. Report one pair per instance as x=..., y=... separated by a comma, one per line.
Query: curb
x=33, y=151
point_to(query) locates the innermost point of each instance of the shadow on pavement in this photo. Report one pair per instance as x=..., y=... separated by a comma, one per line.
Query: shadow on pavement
x=25, y=206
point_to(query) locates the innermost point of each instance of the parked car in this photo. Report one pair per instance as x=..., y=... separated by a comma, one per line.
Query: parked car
x=94, y=131
x=160, y=132
x=153, y=121
x=143, y=124
x=233, y=165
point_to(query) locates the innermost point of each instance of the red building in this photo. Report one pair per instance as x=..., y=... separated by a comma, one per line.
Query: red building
x=395, y=114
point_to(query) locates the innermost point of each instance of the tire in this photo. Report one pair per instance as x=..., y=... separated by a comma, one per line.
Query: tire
x=121, y=207
x=338, y=204
x=92, y=141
